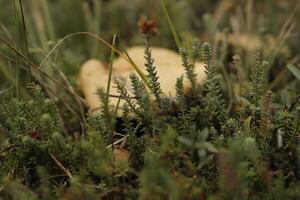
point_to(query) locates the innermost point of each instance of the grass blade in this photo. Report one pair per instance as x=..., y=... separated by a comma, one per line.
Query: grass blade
x=111, y=61
x=25, y=38
x=295, y=71
x=171, y=25
x=38, y=69
x=17, y=35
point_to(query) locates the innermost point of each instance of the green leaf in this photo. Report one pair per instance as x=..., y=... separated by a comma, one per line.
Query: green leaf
x=294, y=70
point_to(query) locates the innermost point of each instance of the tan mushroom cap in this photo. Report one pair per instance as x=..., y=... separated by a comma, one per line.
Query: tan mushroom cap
x=94, y=74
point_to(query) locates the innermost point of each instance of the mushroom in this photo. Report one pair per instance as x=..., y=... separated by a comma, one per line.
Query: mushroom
x=94, y=74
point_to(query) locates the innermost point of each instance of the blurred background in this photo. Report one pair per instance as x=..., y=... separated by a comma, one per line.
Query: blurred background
x=235, y=28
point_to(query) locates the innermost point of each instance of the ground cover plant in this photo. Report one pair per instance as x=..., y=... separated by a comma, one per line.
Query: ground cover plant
x=235, y=136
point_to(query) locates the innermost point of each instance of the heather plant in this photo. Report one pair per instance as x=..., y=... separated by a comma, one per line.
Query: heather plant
x=247, y=155
x=235, y=136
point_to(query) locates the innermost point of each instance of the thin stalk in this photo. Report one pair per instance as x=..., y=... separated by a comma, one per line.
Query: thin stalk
x=37, y=68
x=286, y=29
x=249, y=15
x=118, y=106
x=8, y=149
x=48, y=20
x=25, y=38
x=111, y=62
x=43, y=29
x=124, y=55
x=137, y=69
x=40, y=24
x=8, y=74
x=64, y=169
x=171, y=25
x=279, y=78
x=16, y=22
x=67, y=83
x=92, y=22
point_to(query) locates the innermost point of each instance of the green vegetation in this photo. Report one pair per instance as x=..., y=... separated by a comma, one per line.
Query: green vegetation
x=236, y=136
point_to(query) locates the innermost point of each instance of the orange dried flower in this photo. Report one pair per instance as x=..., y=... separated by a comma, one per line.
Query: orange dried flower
x=36, y=135
x=147, y=27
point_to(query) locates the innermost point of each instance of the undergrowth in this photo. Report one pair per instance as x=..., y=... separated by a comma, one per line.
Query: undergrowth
x=235, y=136
x=199, y=150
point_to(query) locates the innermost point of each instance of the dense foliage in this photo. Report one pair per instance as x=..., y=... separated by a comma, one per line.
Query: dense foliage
x=235, y=136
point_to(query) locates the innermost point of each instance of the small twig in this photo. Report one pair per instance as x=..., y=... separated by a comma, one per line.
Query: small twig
x=8, y=148
x=119, y=134
x=294, y=103
x=67, y=171
x=117, y=142
x=112, y=96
